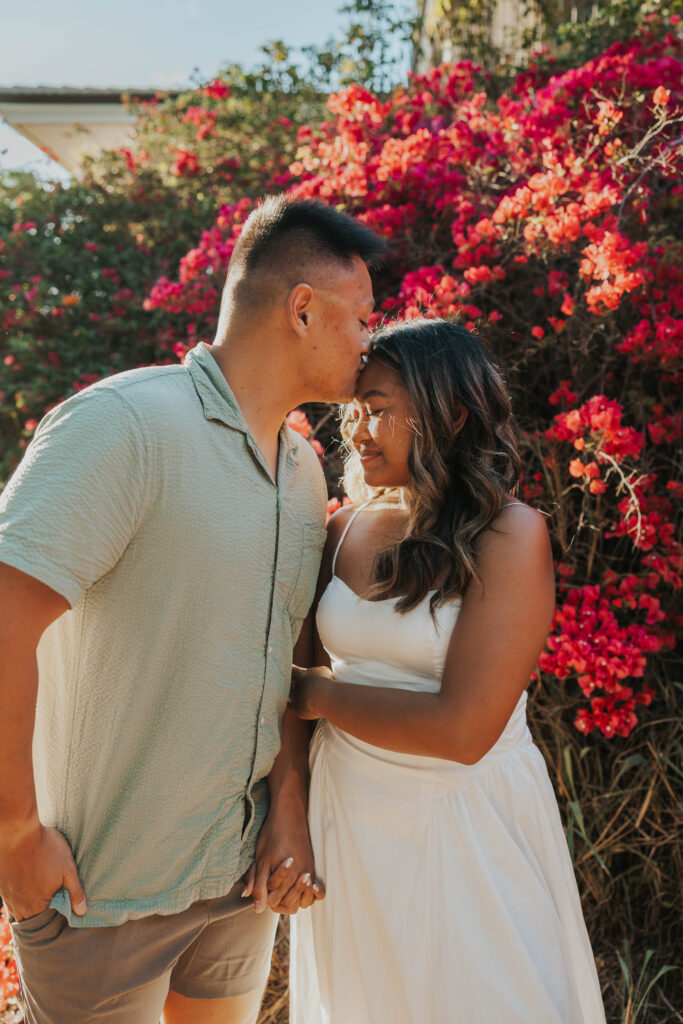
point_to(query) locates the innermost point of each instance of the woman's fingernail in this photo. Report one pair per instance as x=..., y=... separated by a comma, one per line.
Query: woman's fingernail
x=306, y=879
x=317, y=887
x=288, y=863
x=245, y=892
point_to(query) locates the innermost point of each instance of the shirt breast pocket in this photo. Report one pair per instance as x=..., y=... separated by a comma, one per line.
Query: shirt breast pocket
x=303, y=591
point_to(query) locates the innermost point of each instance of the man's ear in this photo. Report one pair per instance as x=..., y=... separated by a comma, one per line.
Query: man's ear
x=299, y=308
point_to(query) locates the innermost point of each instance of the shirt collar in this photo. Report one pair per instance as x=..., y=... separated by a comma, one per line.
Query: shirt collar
x=218, y=400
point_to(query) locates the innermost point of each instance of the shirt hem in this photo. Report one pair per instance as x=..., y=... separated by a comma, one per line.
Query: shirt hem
x=108, y=913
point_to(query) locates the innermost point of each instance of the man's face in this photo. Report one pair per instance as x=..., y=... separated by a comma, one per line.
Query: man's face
x=340, y=338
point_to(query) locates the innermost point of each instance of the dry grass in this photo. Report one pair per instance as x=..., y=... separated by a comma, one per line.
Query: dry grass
x=622, y=804
x=275, y=1009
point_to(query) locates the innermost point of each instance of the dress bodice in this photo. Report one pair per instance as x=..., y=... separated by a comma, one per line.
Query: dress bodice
x=370, y=642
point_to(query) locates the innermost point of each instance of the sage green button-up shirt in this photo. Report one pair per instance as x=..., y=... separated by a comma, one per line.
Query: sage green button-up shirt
x=145, y=501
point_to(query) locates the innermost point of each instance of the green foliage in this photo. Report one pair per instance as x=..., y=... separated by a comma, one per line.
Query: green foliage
x=569, y=33
x=578, y=40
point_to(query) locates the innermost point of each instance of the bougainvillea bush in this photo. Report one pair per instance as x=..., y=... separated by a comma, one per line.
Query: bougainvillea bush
x=548, y=220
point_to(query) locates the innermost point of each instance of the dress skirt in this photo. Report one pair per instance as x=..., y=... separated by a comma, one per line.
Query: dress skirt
x=451, y=897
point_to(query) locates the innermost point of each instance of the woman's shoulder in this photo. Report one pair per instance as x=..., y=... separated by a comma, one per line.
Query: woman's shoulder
x=336, y=525
x=518, y=531
x=338, y=520
x=515, y=511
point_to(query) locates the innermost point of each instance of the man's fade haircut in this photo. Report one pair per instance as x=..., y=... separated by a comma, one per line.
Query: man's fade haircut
x=285, y=238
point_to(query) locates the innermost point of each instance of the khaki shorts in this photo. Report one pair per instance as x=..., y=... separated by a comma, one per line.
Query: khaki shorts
x=213, y=950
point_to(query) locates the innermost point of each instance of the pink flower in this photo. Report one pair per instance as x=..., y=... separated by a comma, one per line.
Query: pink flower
x=298, y=421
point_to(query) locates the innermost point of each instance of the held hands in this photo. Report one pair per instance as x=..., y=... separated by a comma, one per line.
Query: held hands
x=309, y=687
x=34, y=863
x=282, y=875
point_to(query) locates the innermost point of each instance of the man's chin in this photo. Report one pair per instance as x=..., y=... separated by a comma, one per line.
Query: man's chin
x=345, y=394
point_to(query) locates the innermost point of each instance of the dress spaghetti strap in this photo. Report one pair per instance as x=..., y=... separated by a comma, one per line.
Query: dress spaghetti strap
x=345, y=531
x=512, y=504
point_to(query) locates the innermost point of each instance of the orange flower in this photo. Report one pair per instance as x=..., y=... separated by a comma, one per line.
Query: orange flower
x=577, y=468
x=70, y=300
x=661, y=96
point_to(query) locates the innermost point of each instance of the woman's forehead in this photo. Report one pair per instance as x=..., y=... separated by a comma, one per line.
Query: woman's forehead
x=376, y=381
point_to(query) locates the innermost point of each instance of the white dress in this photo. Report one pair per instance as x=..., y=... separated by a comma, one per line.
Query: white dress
x=451, y=897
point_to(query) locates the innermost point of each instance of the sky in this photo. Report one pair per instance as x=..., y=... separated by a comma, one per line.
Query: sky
x=142, y=43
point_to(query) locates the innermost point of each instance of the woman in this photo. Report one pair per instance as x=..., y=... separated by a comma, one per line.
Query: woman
x=450, y=892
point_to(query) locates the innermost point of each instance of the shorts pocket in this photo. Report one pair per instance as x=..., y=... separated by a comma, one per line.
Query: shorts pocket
x=30, y=925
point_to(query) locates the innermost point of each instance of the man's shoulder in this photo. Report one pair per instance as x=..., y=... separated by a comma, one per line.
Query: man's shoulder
x=145, y=382
x=137, y=394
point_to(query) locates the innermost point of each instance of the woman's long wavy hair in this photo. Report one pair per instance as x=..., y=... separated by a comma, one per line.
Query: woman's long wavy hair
x=463, y=463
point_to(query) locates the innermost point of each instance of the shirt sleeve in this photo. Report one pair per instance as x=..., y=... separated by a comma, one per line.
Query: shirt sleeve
x=76, y=499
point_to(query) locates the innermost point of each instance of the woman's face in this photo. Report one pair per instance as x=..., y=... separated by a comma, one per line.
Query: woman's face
x=381, y=430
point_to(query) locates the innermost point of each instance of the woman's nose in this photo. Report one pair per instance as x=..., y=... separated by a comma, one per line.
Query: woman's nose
x=360, y=430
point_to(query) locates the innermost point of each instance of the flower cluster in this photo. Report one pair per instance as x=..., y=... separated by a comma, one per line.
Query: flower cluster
x=589, y=642
x=596, y=432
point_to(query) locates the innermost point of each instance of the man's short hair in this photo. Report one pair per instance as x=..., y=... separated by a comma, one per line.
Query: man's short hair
x=284, y=238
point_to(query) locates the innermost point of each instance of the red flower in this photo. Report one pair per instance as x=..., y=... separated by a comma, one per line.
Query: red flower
x=186, y=163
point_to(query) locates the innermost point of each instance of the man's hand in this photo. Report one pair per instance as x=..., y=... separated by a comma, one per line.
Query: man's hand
x=34, y=863
x=282, y=875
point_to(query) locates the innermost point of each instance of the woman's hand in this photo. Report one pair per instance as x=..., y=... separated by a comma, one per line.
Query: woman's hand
x=309, y=687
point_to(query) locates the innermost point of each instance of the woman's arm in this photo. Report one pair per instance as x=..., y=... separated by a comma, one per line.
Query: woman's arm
x=499, y=634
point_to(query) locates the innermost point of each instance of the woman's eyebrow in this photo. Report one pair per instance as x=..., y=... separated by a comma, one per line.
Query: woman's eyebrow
x=368, y=394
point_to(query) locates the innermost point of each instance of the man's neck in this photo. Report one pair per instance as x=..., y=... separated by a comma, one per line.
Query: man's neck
x=261, y=390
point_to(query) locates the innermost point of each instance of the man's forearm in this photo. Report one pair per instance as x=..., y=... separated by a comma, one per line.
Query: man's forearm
x=18, y=692
x=288, y=777
x=28, y=607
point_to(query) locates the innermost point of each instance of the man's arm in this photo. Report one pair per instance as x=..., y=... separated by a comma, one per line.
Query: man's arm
x=34, y=861
x=285, y=832
x=282, y=876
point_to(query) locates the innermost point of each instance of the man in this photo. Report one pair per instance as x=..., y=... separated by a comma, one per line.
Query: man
x=159, y=546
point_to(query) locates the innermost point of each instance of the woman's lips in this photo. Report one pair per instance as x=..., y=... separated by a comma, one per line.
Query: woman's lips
x=366, y=457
